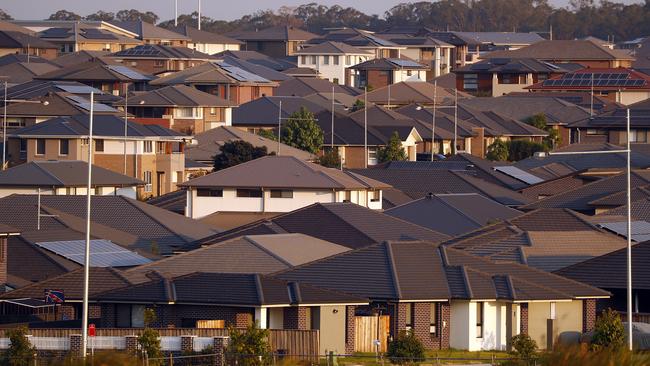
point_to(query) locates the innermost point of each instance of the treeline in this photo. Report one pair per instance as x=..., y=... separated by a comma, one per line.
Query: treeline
x=604, y=19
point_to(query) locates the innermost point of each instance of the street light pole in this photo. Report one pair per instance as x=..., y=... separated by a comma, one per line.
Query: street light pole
x=433, y=118
x=629, y=238
x=279, y=125
x=456, y=121
x=332, y=129
x=84, y=322
x=4, y=131
x=126, y=116
x=365, y=127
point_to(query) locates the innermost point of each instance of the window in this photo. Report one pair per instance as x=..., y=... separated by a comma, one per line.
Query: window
x=596, y=131
x=148, y=146
x=408, y=317
x=552, y=311
x=64, y=147
x=409, y=72
x=187, y=112
x=158, y=63
x=146, y=177
x=179, y=177
x=335, y=80
x=281, y=193
x=99, y=145
x=23, y=145
x=249, y=193
x=470, y=82
x=348, y=60
x=160, y=147
x=372, y=156
x=479, y=320
x=335, y=60
x=433, y=318
x=313, y=60
x=326, y=60
x=638, y=136
x=134, y=63
x=15, y=123
x=374, y=195
x=303, y=60
x=40, y=147
x=213, y=111
x=348, y=196
x=209, y=192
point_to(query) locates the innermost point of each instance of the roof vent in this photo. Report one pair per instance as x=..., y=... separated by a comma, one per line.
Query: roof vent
x=429, y=195
x=540, y=154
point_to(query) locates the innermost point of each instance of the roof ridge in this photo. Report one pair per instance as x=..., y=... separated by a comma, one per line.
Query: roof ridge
x=468, y=287
x=152, y=217
x=258, y=288
x=393, y=269
x=458, y=211
x=264, y=249
x=37, y=163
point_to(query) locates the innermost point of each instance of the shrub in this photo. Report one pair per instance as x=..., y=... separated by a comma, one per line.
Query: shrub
x=609, y=331
x=524, y=347
x=149, y=340
x=249, y=347
x=330, y=159
x=393, y=151
x=406, y=349
x=497, y=151
x=20, y=352
x=577, y=355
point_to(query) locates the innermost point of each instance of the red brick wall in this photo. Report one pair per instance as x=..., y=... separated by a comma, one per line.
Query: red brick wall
x=588, y=315
x=523, y=310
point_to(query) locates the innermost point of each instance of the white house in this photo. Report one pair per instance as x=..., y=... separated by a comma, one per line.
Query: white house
x=208, y=42
x=278, y=184
x=331, y=59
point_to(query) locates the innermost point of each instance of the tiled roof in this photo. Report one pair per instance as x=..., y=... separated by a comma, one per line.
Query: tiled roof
x=306, y=86
x=13, y=39
x=245, y=254
x=279, y=33
x=22, y=72
x=175, y=96
x=511, y=65
x=201, y=36
x=257, y=58
x=453, y=214
x=407, y=92
x=211, y=73
x=562, y=50
x=423, y=271
x=149, y=31
x=346, y=224
x=332, y=48
x=522, y=107
x=63, y=173
x=255, y=68
x=155, y=51
x=96, y=71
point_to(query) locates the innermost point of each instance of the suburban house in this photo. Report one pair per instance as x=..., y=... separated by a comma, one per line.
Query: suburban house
x=449, y=298
x=12, y=42
x=303, y=87
x=21, y=68
x=103, y=74
x=263, y=71
x=157, y=59
x=254, y=57
x=278, y=42
x=381, y=72
x=356, y=226
x=277, y=184
x=362, y=39
x=469, y=46
x=499, y=76
x=154, y=154
x=222, y=80
x=584, y=52
x=81, y=35
x=262, y=113
x=181, y=108
x=64, y=177
x=611, y=127
x=332, y=60
x=151, y=34
x=207, y=42
x=432, y=52
x=620, y=85
x=409, y=92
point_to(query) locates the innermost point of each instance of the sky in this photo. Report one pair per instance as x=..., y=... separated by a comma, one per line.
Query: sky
x=216, y=9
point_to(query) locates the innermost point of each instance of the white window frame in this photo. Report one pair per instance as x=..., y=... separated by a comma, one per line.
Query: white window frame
x=146, y=177
x=147, y=147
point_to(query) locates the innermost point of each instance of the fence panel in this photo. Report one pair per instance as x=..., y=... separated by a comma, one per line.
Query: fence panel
x=4, y=343
x=50, y=343
x=107, y=342
x=201, y=343
x=170, y=343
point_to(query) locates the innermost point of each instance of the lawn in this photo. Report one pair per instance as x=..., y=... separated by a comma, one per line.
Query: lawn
x=449, y=356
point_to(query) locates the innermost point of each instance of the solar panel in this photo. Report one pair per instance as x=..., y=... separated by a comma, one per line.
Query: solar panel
x=640, y=229
x=379, y=41
x=128, y=72
x=78, y=89
x=519, y=174
x=92, y=33
x=103, y=253
x=56, y=33
x=84, y=103
x=241, y=74
x=404, y=63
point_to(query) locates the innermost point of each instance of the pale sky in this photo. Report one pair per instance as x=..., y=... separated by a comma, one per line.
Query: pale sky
x=216, y=9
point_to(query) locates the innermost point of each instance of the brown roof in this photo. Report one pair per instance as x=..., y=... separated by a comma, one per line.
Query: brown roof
x=201, y=36
x=407, y=92
x=245, y=254
x=175, y=96
x=279, y=33
x=562, y=50
x=227, y=220
x=332, y=48
x=284, y=172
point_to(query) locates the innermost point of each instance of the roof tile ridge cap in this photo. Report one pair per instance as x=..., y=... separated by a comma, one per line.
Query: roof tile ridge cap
x=582, y=219
x=468, y=287
x=458, y=211
x=170, y=258
x=511, y=287
x=522, y=254
x=157, y=92
x=321, y=173
x=155, y=219
x=46, y=172
x=393, y=269
x=258, y=288
x=259, y=246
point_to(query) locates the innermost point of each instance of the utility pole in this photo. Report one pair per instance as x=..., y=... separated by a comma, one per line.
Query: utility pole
x=199, y=17
x=175, y=13
x=84, y=322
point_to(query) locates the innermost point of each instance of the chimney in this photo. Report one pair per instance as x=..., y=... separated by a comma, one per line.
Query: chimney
x=478, y=142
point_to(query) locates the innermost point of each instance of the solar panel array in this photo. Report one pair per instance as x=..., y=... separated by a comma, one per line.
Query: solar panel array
x=85, y=104
x=142, y=50
x=78, y=89
x=241, y=74
x=128, y=72
x=92, y=33
x=103, y=253
x=640, y=229
x=379, y=41
x=56, y=33
x=519, y=174
x=598, y=79
x=404, y=63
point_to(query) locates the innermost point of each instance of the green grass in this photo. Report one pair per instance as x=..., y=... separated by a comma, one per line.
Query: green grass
x=460, y=356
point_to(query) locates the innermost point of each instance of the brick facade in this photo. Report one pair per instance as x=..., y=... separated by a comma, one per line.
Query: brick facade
x=185, y=315
x=588, y=315
x=76, y=344
x=3, y=263
x=523, y=311
x=295, y=317
x=421, y=323
x=349, y=328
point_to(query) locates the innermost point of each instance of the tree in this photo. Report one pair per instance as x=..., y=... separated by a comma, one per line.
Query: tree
x=609, y=331
x=268, y=134
x=237, y=152
x=393, y=151
x=524, y=347
x=302, y=131
x=4, y=15
x=523, y=149
x=20, y=352
x=330, y=159
x=498, y=151
x=149, y=339
x=249, y=347
x=64, y=15
x=101, y=15
x=134, y=15
x=539, y=121
x=406, y=349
